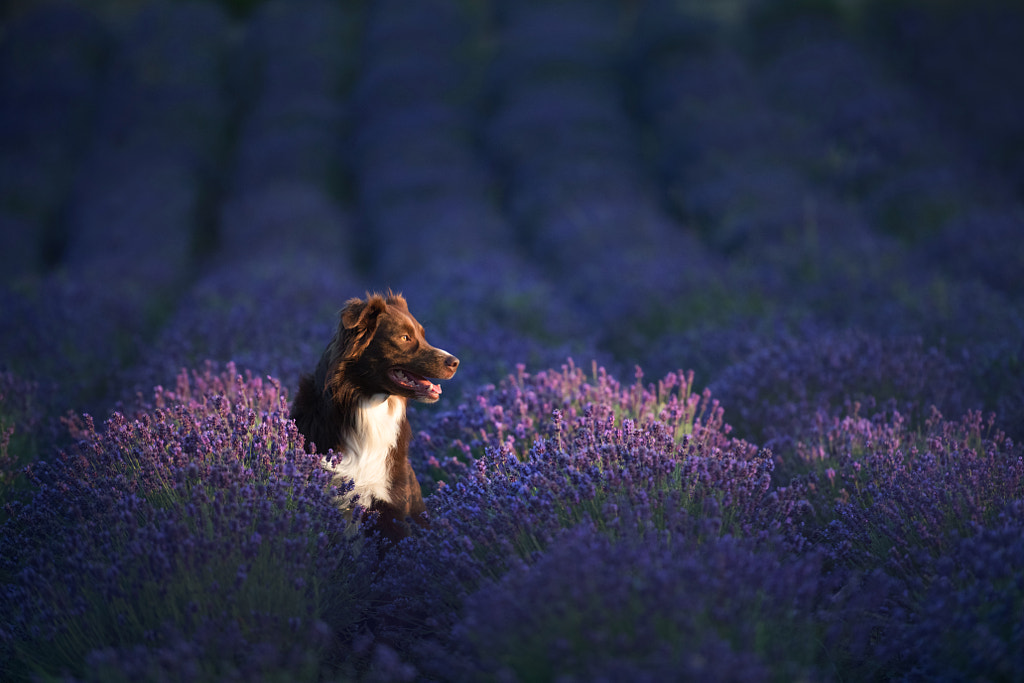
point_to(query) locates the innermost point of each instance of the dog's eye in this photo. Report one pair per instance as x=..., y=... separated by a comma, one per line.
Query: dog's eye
x=406, y=337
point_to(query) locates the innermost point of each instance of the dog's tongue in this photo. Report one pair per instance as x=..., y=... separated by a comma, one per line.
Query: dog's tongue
x=423, y=383
x=428, y=386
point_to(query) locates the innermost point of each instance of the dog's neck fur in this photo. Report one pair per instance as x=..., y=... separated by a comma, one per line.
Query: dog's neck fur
x=365, y=461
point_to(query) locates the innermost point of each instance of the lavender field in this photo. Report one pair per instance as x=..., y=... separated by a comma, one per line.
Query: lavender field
x=738, y=290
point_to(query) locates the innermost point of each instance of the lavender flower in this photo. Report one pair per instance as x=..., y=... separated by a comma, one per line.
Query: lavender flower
x=526, y=407
x=899, y=494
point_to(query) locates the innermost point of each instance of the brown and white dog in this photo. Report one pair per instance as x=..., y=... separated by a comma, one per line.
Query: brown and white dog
x=355, y=404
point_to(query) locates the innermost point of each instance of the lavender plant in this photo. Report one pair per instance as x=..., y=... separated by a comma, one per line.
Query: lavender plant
x=899, y=492
x=631, y=461
x=198, y=527
x=525, y=407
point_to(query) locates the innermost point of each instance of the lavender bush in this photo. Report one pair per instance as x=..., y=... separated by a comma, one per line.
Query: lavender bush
x=898, y=490
x=196, y=538
x=525, y=407
x=641, y=461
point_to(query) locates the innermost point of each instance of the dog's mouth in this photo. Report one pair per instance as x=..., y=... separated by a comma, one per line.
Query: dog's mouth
x=421, y=387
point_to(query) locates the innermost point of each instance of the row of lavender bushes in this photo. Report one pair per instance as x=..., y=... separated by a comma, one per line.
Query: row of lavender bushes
x=580, y=527
x=841, y=530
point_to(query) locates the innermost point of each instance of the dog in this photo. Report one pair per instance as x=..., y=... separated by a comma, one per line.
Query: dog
x=355, y=403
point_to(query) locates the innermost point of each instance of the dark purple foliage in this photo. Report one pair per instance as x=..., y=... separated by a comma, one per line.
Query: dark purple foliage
x=970, y=623
x=962, y=59
x=294, y=59
x=74, y=336
x=985, y=243
x=658, y=607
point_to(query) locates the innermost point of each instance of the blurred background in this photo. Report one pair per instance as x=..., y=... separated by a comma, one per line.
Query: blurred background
x=790, y=197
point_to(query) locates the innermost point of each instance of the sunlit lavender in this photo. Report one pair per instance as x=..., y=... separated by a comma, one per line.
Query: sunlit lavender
x=735, y=287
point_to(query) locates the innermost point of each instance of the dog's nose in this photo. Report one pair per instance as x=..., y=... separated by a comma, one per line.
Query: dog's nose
x=451, y=362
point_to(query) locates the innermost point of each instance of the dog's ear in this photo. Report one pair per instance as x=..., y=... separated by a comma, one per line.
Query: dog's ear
x=359, y=323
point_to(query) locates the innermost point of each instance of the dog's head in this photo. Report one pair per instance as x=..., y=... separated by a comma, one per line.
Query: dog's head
x=382, y=349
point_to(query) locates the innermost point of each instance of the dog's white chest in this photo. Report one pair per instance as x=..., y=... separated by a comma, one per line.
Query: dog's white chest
x=365, y=460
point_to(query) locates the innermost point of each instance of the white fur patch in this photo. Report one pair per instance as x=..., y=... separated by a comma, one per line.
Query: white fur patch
x=365, y=459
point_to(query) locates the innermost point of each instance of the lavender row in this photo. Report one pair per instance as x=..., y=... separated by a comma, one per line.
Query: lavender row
x=780, y=392
x=134, y=215
x=271, y=316
x=935, y=511
x=572, y=482
x=136, y=207
x=292, y=70
x=423, y=193
x=883, y=147
x=774, y=164
x=739, y=167
x=50, y=66
x=886, y=149
x=280, y=266
x=962, y=59
x=569, y=157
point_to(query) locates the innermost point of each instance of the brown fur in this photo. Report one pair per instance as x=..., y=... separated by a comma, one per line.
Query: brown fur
x=375, y=337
